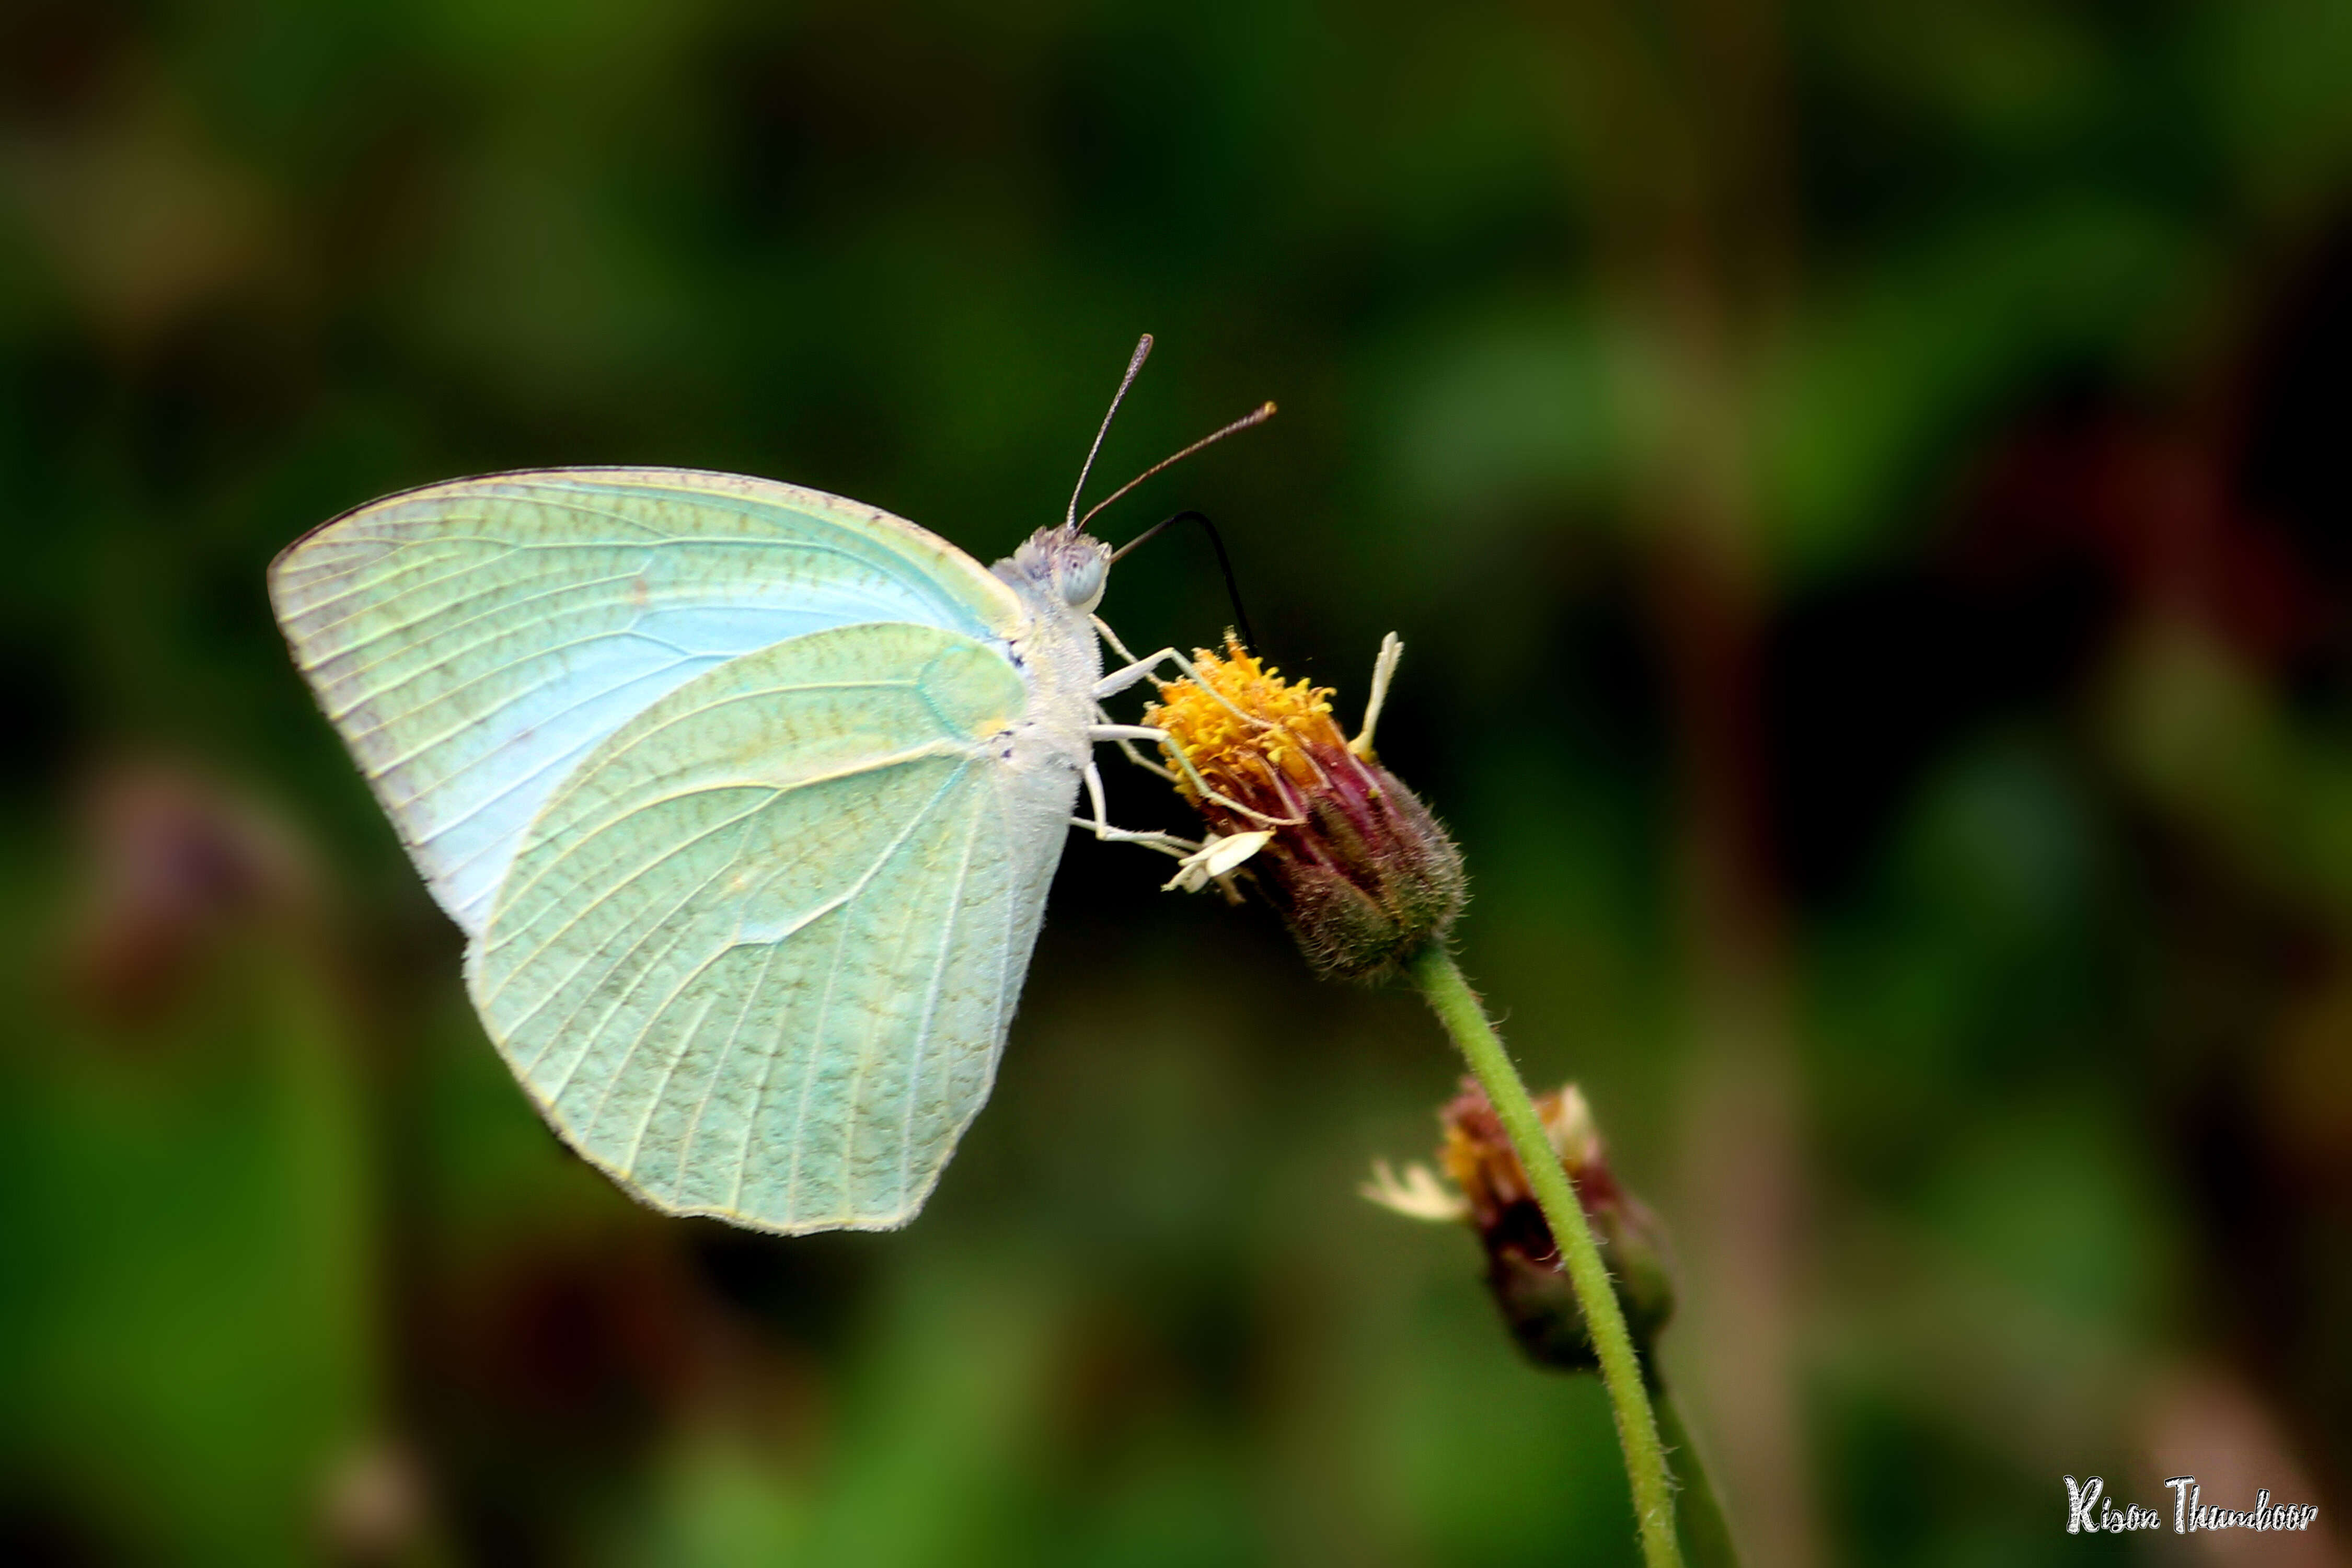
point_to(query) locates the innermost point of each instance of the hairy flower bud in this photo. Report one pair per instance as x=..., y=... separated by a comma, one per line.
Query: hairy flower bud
x=1356, y=865
x=1523, y=1264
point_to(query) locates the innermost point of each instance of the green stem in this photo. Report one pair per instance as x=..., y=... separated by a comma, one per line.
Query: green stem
x=1458, y=1008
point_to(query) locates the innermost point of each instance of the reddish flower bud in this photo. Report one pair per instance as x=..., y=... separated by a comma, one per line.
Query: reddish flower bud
x=1523, y=1264
x=1357, y=867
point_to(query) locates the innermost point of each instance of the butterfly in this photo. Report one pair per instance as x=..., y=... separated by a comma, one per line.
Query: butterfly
x=746, y=796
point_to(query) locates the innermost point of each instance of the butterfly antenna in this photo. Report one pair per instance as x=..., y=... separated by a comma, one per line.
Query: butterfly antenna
x=1258, y=416
x=1135, y=363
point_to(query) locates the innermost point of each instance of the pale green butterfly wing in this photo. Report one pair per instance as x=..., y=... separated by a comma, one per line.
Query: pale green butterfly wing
x=475, y=641
x=757, y=957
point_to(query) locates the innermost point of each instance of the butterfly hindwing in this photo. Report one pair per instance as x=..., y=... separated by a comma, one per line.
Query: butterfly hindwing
x=475, y=641
x=757, y=957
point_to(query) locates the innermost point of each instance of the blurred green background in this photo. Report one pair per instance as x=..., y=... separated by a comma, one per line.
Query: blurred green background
x=1861, y=487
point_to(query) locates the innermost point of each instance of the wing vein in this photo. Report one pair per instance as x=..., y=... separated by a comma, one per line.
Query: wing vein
x=563, y=985
x=864, y=1056
x=652, y=1101
x=597, y=1033
x=932, y=1000
x=719, y=1069
x=504, y=607
x=879, y=765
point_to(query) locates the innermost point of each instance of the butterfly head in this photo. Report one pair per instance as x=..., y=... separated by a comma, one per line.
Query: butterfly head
x=1062, y=566
x=1066, y=566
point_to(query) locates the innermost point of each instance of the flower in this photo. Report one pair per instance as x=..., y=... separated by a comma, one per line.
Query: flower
x=1357, y=868
x=1488, y=1190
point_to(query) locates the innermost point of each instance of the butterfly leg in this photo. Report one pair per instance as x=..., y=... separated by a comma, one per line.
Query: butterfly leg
x=1140, y=669
x=1191, y=773
x=1199, y=864
x=1099, y=826
x=1127, y=749
x=1118, y=681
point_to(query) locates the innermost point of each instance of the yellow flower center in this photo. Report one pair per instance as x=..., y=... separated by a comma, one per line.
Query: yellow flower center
x=1211, y=721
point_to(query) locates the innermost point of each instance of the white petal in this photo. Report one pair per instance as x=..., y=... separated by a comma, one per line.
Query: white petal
x=1216, y=858
x=1418, y=1196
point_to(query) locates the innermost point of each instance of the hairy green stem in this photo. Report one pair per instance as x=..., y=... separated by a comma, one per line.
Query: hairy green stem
x=1458, y=1008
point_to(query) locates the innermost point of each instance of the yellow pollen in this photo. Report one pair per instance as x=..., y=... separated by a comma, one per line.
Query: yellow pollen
x=1231, y=752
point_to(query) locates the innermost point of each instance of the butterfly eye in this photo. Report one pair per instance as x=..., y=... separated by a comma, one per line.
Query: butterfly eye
x=1082, y=580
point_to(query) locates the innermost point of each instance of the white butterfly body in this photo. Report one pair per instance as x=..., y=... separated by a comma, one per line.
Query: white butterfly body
x=746, y=796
